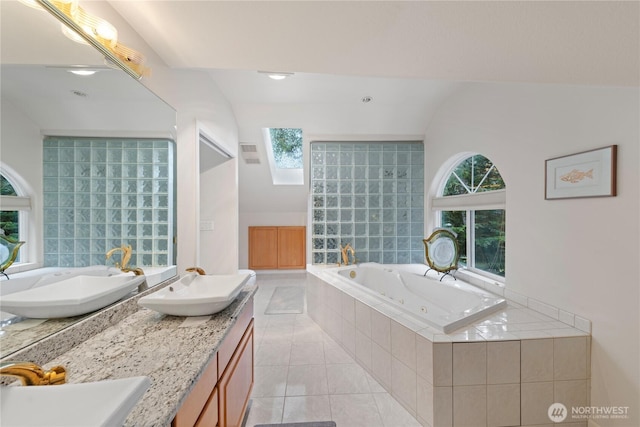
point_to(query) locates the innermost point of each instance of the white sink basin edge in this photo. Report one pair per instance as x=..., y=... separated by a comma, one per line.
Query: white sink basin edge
x=70, y=297
x=196, y=295
x=100, y=403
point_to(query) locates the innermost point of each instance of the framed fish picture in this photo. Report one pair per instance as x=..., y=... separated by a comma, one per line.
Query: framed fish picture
x=587, y=174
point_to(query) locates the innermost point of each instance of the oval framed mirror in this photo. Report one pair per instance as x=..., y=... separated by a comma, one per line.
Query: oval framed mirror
x=441, y=251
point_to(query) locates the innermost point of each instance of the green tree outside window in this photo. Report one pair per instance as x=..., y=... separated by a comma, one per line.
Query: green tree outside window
x=8, y=219
x=287, y=147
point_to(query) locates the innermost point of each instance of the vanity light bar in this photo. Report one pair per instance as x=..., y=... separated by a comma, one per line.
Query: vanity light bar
x=125, y=58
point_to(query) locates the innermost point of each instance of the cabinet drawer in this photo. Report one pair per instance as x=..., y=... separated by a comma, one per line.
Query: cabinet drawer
x=230, y=342
x=190, y=410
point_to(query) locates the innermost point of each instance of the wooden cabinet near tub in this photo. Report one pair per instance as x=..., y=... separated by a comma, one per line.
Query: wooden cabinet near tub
x=221, y=395
x=273, y=248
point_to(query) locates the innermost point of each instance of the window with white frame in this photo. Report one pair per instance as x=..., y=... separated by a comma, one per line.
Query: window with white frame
x=15, y=206
x=471, y=202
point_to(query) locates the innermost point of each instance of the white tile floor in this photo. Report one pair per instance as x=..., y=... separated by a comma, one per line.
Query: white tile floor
x=301, y=374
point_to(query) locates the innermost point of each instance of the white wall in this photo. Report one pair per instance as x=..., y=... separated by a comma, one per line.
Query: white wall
x=218, y=204
x=21, y=151
x=198, y=101
x=580, y=255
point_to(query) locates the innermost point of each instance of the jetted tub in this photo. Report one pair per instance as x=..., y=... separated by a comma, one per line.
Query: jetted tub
x=446, y=305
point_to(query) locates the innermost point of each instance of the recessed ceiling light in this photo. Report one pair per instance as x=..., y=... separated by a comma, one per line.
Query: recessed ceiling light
x=276, y=75
x=80, y=72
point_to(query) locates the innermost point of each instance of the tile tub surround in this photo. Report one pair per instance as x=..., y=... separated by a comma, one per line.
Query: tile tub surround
x=504, y=370
x=164, y=348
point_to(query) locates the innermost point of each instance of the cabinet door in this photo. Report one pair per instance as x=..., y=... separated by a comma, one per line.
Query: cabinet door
x=291, y=247
x=235, y=385
x=209, y=416
x=197, y=400
x=263, y=248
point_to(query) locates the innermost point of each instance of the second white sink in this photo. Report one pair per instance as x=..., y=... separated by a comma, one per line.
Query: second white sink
x=196, y=295
x=100, y=403
x=70, y=297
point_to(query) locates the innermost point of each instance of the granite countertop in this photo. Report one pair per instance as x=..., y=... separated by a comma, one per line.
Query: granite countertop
x=172, y=351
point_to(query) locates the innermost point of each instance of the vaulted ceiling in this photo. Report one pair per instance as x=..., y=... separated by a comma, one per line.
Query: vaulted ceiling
x=407, y=55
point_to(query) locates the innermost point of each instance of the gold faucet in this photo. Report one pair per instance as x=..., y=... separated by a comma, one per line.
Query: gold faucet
x=345, y=254
x=32, y=374
x=136, y=271
x=197, y=270
x=126, y=257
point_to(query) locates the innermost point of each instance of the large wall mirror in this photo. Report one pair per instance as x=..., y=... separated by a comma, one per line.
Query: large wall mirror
x=54, y=125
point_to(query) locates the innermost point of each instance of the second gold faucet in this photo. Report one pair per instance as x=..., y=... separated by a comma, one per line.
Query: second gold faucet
x=344, y=252
x=32, y=374
x=127, y=251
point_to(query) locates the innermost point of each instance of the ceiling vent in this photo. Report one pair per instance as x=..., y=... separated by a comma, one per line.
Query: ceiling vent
x=249, y=153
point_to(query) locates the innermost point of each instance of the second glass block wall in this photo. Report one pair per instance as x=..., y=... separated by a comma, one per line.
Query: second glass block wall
x=370, y=195
x=100, y=193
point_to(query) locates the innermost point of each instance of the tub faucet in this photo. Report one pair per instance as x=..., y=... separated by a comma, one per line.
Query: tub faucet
x=124, y=262
x=126, y=256
x=136, y=271
x=198, y=270
x=127, y=251
x=31, y=374
x=345, y=254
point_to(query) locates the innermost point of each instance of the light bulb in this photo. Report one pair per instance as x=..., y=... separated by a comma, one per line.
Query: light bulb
x=83, y=72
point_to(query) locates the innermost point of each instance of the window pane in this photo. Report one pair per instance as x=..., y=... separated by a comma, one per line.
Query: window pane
x=9, y=223
x=9, y=220
x=474, y=174
x=490, y=178
x=6, y=189
x=489, y=241
x=287, y=147
x=457, y=221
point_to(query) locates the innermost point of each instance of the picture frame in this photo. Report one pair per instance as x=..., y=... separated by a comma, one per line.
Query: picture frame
x=586, y=174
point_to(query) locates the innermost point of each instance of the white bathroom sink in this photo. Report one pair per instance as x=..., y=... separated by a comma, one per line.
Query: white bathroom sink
x=101, y=403
x=196, y=295
x=70, y=297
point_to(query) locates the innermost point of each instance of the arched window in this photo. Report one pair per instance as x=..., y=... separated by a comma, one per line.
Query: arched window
x=9, y=220
x=15, y=206
x=471, y=202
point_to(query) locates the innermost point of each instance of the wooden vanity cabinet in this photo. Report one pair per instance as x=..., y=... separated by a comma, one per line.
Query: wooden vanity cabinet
x=221, y=395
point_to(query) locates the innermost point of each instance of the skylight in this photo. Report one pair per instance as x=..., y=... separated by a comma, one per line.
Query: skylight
x=284, y=152
x=286, y=144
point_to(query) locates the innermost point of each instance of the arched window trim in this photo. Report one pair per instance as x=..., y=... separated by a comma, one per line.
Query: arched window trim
x=495, y=199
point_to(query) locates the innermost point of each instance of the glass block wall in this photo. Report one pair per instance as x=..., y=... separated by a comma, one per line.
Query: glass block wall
x=370, y=195
x=100, y=193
